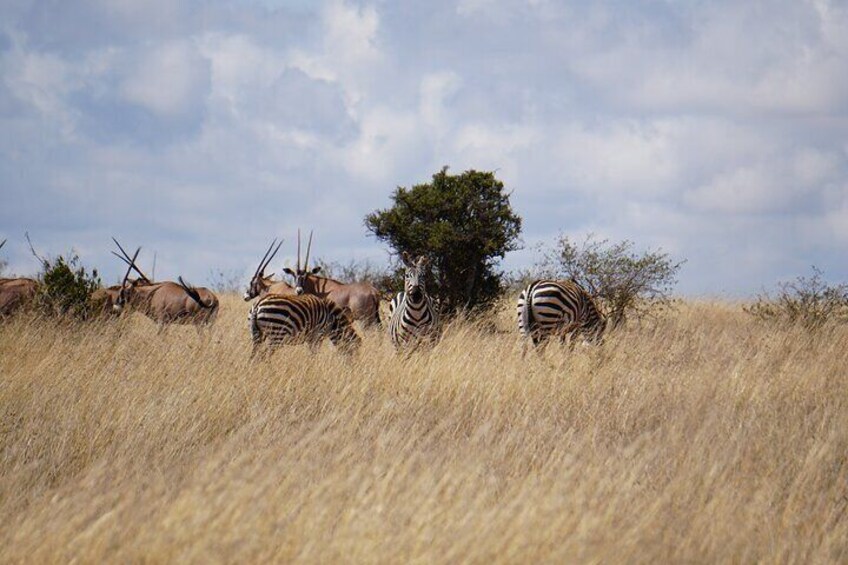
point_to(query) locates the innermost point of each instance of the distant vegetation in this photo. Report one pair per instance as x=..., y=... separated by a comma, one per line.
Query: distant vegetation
x=627, y=283
x=231, y=280
x=464, y=223
x=809, y=301
x=65, y=287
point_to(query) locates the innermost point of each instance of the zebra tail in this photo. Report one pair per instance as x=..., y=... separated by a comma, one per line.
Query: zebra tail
x=527, y=318
x=254, y=325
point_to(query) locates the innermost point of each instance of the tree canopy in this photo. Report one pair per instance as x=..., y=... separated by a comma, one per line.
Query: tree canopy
x=464, y=223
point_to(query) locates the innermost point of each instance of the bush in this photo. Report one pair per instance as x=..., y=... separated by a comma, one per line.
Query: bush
x=464, y=224
x=625, y=283
x=809, y=301
x=231, y=281
x=65, y=288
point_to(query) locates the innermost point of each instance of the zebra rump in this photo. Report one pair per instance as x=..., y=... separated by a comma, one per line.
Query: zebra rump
x=548, y=307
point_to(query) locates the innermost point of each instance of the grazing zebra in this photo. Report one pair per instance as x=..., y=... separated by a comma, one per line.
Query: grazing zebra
x=414, y=316
x=548, y=307
x=281, y=319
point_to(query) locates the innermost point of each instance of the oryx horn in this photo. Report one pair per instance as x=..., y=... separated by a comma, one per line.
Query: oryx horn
x=308, y=247
x=129, y=269
x=266, y=258
x=131, y=263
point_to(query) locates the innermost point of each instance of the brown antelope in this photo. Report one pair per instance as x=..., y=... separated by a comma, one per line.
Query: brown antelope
x=363, y=299
x=260, y=285
x=15, y=293
x=103, y=299
x=166, y=302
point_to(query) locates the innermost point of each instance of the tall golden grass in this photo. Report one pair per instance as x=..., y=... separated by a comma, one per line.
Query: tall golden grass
x=703, y=437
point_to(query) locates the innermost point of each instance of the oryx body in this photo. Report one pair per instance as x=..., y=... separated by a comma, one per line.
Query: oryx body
x=168, y=302
x=103, y=299
x=15, y=293
x=165, y=302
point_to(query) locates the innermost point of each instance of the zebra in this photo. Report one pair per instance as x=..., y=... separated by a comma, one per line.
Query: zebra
x=413, y=314
x=549, y=307
x=289, y=319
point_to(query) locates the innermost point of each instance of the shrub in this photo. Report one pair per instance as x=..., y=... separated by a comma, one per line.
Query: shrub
x=65, y=288
x=625, y=282
x=809, y=301
x=463, y=223
x=230, y=281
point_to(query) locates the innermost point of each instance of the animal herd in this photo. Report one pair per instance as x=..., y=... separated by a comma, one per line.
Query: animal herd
x=317, y=307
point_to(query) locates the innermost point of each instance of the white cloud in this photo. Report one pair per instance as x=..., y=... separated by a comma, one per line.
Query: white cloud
x=171, y=79
x=713, y=130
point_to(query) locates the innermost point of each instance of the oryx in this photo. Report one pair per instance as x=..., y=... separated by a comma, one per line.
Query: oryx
x=363, y=299
x=165, y=302
x=260, y=285
x=15, y=292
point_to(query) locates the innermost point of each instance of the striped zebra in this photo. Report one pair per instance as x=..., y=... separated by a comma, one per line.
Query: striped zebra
x=413, y=314
x=563, y=308
x=287, y=319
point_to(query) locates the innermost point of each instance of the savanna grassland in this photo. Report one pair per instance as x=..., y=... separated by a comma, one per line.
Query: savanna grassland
x=703, y=437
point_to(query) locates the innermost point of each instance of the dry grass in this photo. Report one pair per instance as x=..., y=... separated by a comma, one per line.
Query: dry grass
x=705, y=438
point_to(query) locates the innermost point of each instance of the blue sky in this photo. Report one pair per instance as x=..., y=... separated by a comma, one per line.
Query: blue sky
x=717, y=131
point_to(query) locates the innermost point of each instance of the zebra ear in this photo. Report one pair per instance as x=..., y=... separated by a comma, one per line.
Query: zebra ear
x=405, y=258
x=423, y=261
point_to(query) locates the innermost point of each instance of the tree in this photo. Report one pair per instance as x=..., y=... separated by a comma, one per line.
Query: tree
x=811, y=302
x=626, y=283
x=463, y=223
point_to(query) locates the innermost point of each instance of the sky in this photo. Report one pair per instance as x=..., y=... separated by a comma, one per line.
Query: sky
x=200, y=130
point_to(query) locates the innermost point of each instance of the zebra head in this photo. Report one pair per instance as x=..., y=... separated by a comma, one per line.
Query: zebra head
x=300, y=275
x=413, y=281
x=258, y=283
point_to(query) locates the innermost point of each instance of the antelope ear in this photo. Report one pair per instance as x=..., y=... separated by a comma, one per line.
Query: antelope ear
x=315, y=270
x=288, y=271
x=270, y=276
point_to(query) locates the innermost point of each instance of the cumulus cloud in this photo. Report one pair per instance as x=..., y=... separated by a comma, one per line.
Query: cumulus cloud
x=170, y=80
x=200, y=130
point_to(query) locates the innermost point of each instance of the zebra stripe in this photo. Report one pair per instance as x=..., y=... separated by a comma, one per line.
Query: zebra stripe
x=283, y=319
x=413, y=314
x=547, y=307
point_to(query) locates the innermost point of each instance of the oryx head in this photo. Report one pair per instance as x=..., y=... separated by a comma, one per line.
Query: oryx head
x=257, y=283
x=300, y=274
x=127, y=285
x=413, y=280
